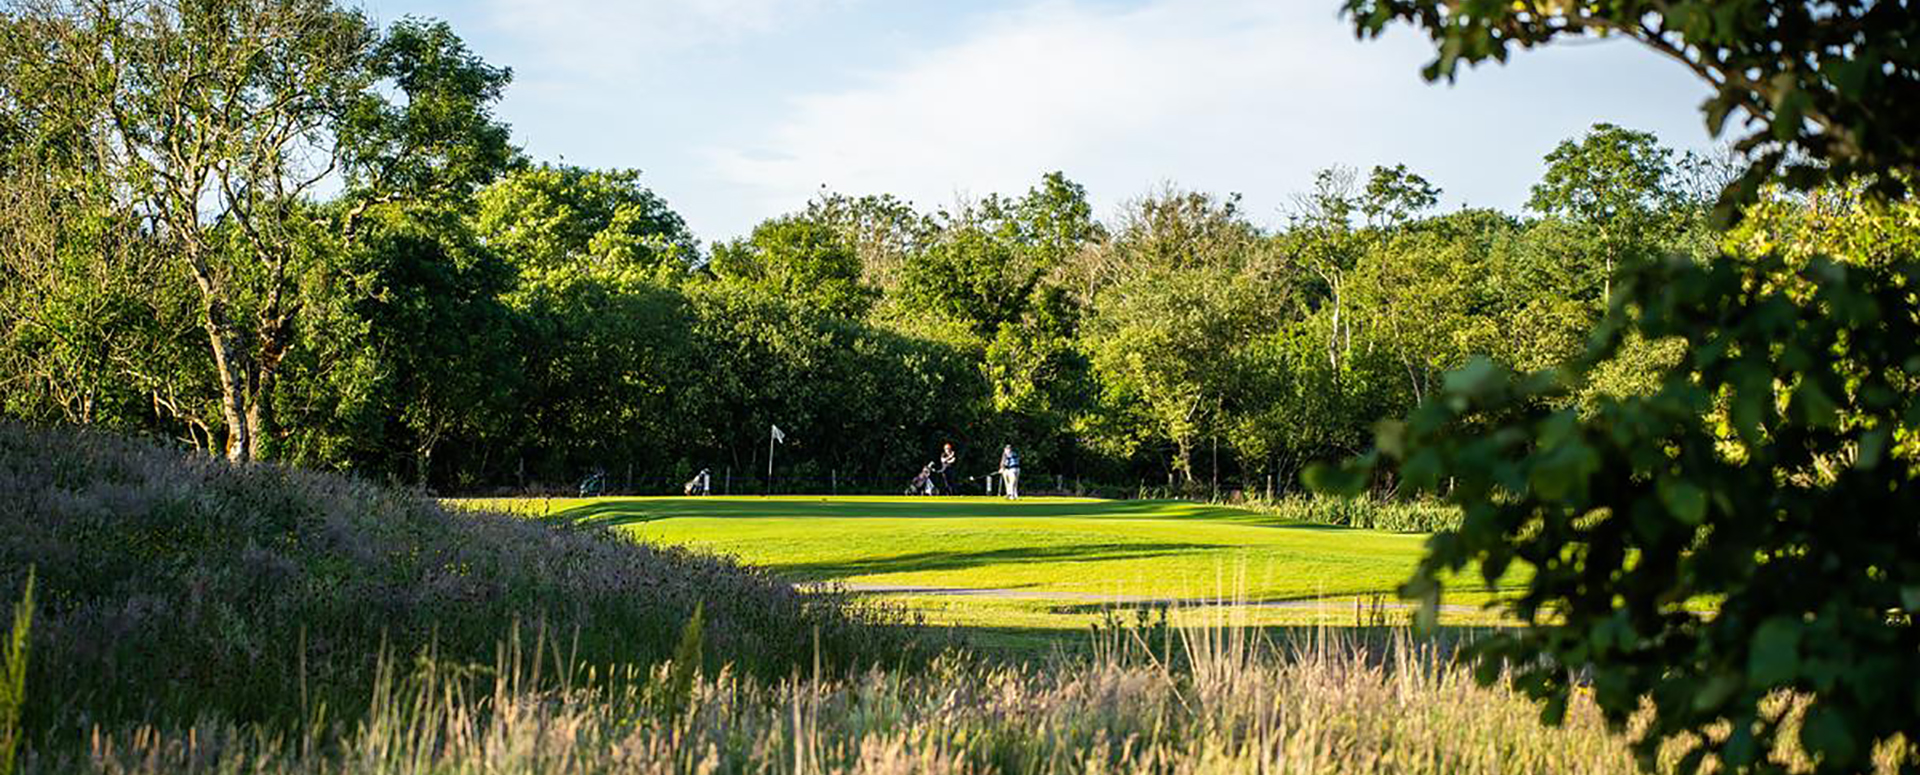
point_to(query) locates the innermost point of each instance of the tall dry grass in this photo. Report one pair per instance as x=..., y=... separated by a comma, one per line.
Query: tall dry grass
x=1206, y=700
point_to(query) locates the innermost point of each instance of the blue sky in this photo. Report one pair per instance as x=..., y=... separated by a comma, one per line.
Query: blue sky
x=738, y=110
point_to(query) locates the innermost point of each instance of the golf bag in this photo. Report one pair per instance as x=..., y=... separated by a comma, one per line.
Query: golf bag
x=923, y=483
x=700, y=484
x=594, y=485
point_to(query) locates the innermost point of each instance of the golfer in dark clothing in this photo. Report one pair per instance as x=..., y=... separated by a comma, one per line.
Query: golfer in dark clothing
x=947, y=460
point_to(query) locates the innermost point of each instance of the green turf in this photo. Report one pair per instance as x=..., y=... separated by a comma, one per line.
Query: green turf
x=1055, y=562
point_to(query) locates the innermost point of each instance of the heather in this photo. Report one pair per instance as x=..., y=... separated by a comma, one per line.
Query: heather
x=177, y=586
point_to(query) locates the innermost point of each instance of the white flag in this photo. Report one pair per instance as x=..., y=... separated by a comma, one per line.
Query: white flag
x=778, y=436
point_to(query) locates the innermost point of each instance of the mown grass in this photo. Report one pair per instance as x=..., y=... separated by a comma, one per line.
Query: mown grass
x=1050, y=561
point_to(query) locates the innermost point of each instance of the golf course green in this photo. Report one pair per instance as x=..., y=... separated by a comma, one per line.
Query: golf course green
x=1039, y=562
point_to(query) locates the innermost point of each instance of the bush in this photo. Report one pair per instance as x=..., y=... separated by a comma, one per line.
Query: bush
x=1365, y=513
x=174, y=585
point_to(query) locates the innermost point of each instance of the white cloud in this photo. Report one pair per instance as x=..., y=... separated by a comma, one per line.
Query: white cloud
x=1221, y=95
x=1064, y=85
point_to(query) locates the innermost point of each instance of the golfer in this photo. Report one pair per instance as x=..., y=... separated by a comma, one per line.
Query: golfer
x=948, y=458
x=1010, y=471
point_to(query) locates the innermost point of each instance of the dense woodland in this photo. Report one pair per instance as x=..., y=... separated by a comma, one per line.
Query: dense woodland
x=308, y=239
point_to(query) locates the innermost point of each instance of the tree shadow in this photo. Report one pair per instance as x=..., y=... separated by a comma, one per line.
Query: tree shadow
x=960, y=560
x=622, y=511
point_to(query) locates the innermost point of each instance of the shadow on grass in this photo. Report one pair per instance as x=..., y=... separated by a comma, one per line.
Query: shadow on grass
x=624, y=511
x=960, y=560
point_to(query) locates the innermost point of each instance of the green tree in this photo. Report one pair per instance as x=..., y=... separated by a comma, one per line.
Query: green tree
x=1394, y=194
x=1616, y=182
x=217, y=117
x=210, y=128
x=799, y=258
x=1164, y=348
x=414, y=353
x=436, y=142
x=562, y=220
x=986, y=261
x=883, y=230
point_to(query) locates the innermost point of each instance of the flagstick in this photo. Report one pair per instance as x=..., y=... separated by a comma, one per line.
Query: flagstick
x=769, y=464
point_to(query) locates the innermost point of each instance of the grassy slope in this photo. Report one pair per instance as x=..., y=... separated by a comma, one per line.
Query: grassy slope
x=1056, y=555
x=174, y=586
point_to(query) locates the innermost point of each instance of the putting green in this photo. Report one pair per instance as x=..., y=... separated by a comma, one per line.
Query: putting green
x=1037, y=562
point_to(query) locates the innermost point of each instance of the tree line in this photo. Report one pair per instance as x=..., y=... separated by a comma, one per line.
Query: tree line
x=273, y=230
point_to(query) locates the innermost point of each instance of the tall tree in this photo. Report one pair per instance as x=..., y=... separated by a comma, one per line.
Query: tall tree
x=883, y=230
x=216, y=116
x=435, y=140
x=1617, y=182
x=1394, y=194
x=1164, y=346
x=216, y=124
x=984, y=264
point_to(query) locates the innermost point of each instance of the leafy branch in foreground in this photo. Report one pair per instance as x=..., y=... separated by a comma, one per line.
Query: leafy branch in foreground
x=1831, y=89
x=1773, y=471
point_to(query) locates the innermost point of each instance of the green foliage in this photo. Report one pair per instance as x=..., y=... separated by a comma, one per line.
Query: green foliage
x=1771, y=471
x=442, y=143
x=13, y=684
x=1612, y=178
x=560, y=220
x=459, y=319
x=1165, y=348
x=986, y=262
x=1394, y=194
x=684, y=669
x=799, y=259
x=1760, y=458
x=1365, y=513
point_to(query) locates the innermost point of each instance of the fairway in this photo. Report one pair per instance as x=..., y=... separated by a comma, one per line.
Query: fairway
x=1040, y=562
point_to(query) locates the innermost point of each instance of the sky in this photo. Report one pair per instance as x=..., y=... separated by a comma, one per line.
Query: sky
x=741, y=110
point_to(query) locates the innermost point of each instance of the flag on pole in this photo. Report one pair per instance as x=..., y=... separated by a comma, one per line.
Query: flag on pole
x=778, y=436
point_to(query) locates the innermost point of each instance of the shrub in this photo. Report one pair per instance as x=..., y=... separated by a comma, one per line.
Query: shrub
x=174, y=585
x=1365, y=513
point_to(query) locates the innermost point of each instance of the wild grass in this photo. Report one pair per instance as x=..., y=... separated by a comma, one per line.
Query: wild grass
x=13, y=677
x=175, y=587
x=1181, y=700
